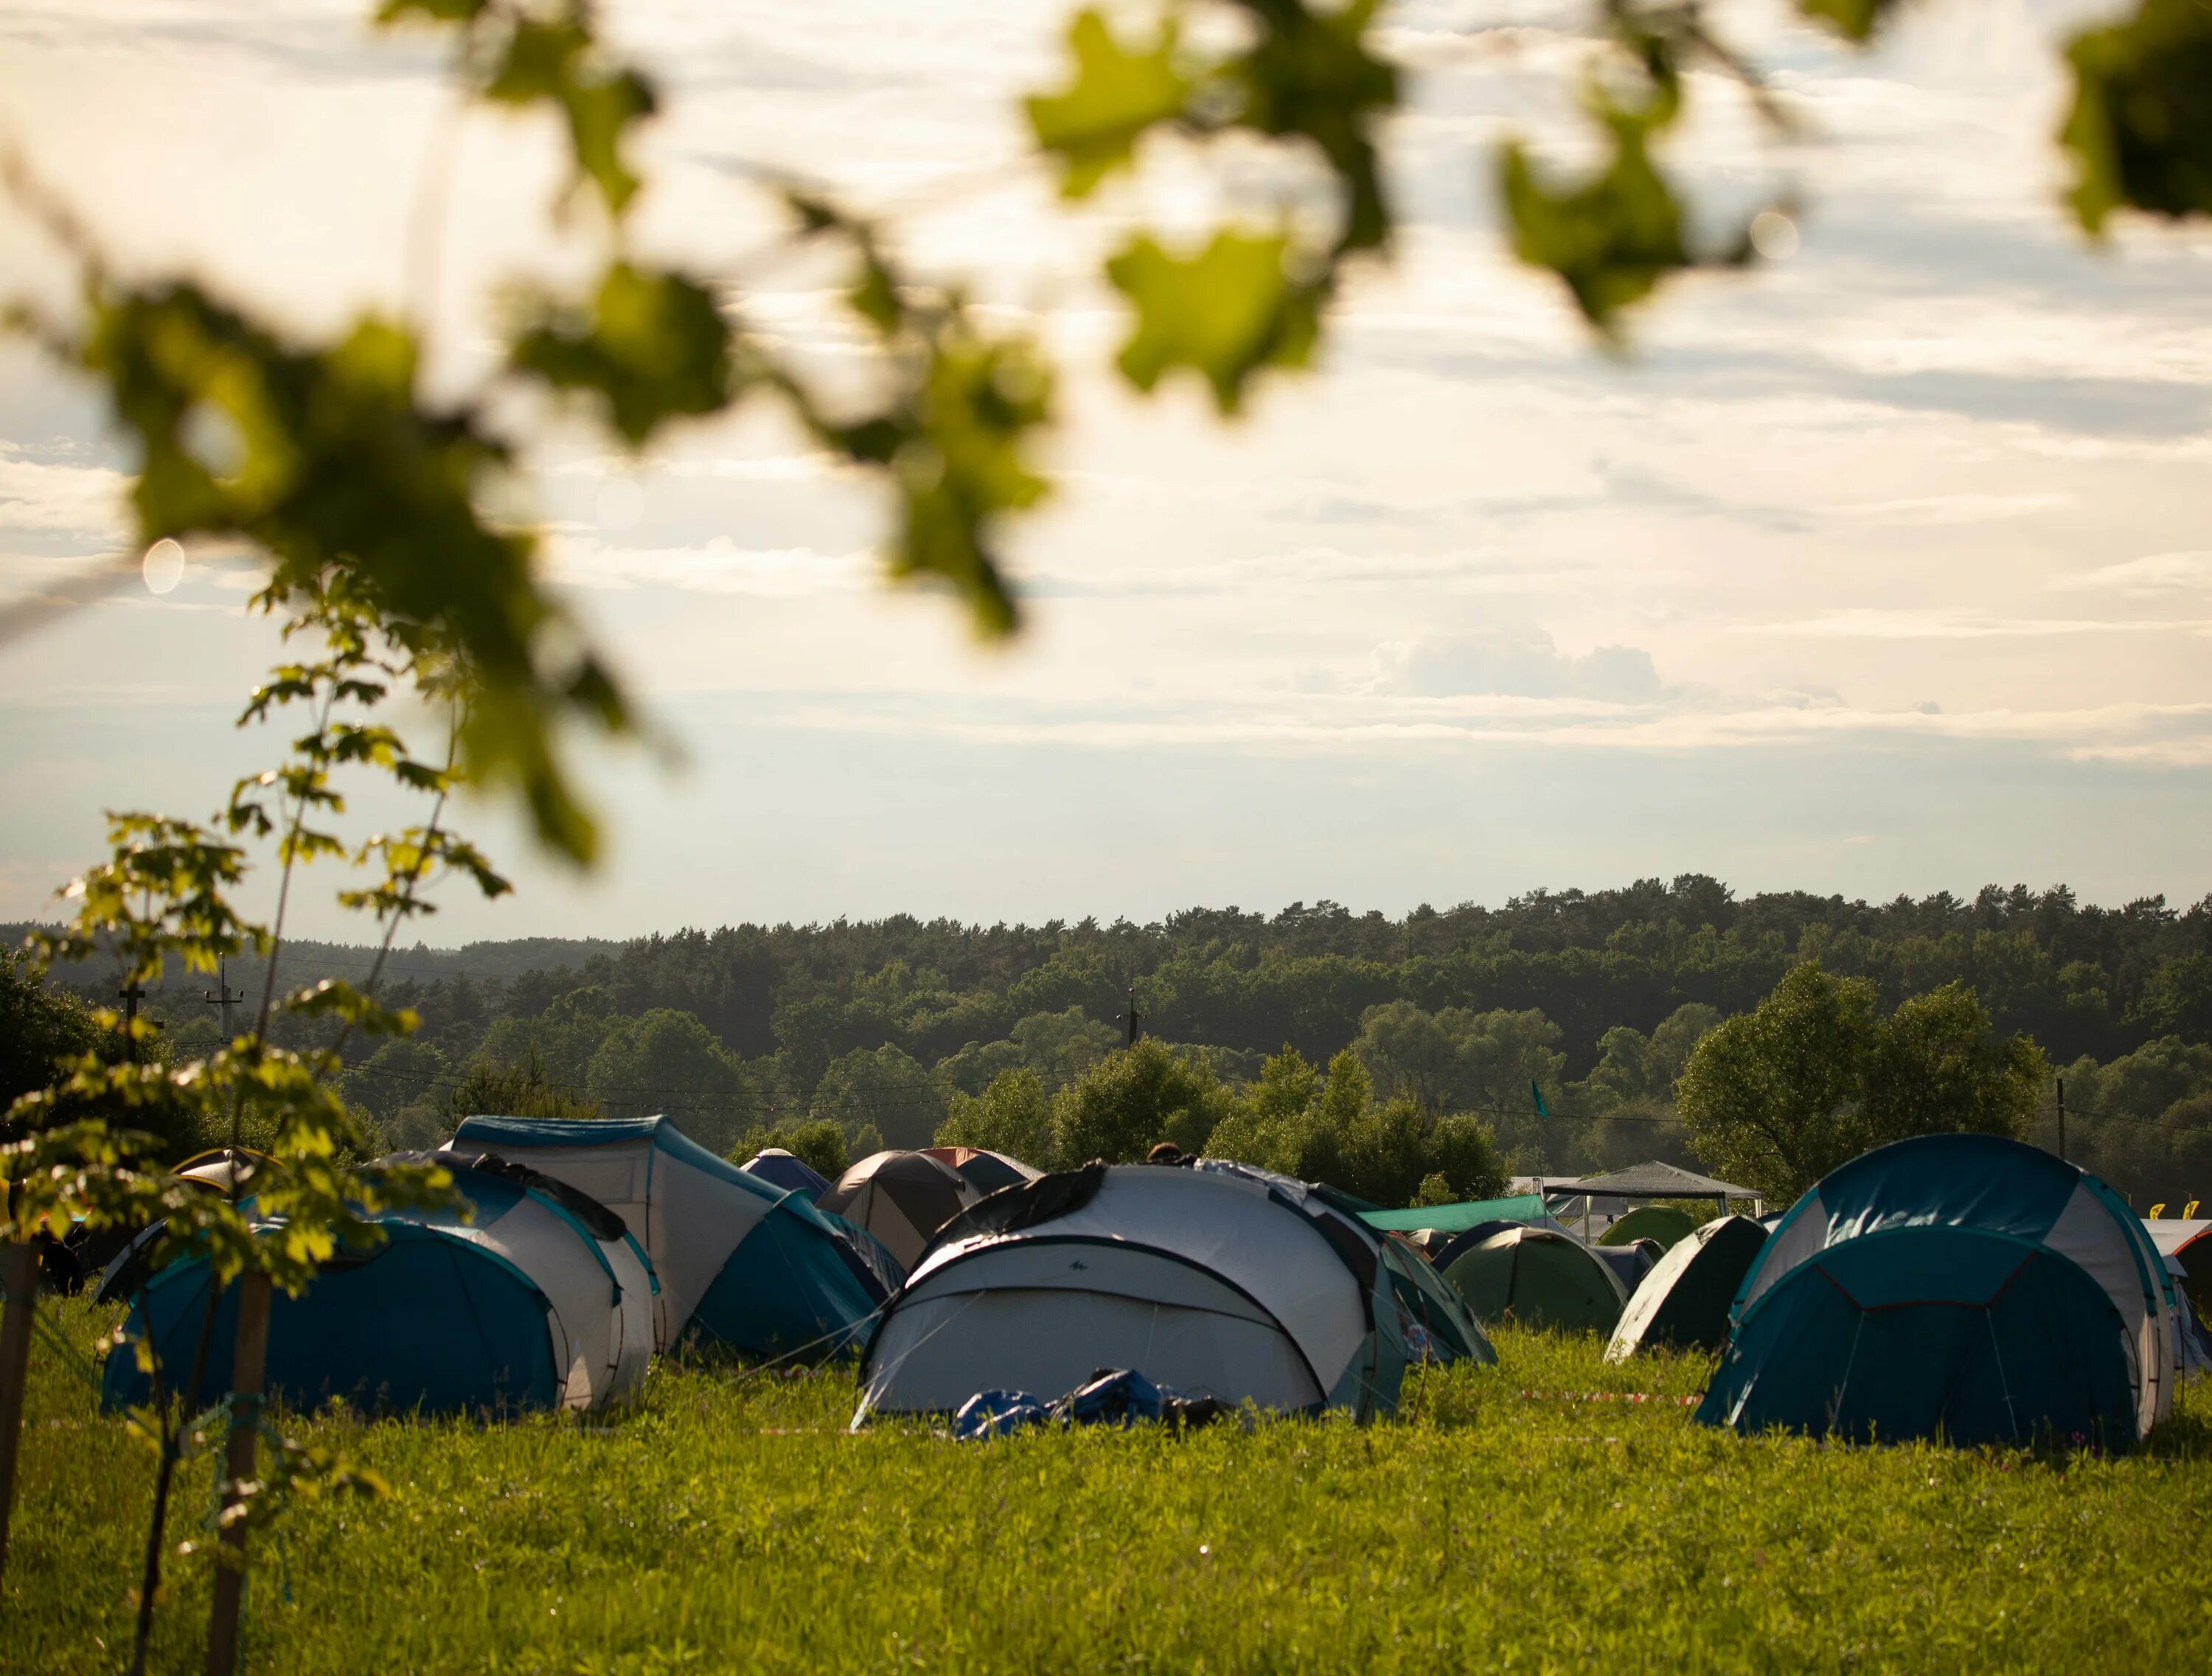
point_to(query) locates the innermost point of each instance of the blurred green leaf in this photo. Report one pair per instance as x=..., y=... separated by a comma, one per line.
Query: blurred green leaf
x=2141, y=127
x=1854, y=19
x=559, y=62
x=1224, y=313
x=359, y=493
x=1115, y=97
x=1614, y=235
x=1311, y=74
x=432, y=11
x=652, y=346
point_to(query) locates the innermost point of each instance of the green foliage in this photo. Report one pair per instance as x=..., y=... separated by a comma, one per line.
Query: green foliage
x=1310, y=75
x=2140, y=131
x=1479, y=1531
x=1224, y=313
x=1854, y=19
x=1011, y=1116
x=1812, y=1076
x=42, y=1029
x=1393, y=1152
x=364, y=501
x=1115, y=95
x=1131, y=1101
x=652, y=346
x=2176, y=999
x=666, y=1061
x=1615, y=234
x=507, y=1090
x=1456, y=1059
x=1244, y=302
x=556, y=61
x=886, y=1088
x=821, y=1145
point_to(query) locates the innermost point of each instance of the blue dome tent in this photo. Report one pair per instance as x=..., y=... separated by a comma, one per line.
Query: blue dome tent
x=745, y=1267
x=788, y=1171
x=541, y=1300
x=1960, y=1286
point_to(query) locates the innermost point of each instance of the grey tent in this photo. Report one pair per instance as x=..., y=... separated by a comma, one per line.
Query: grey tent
x=901, y=1198
x=1213, y=1278
x=1683, y=1303
x=1649, y=1181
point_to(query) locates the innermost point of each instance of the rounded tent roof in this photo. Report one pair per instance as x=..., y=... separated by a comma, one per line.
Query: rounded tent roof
x=1209, y=1278
x=987, y=1171
x=1539, y=1278
x=2022, y=1281
x=1427, y=1302
x=745, y=1267
x=1683, y=1303
x=1667, y=1223
x=901, y=1198
x=525, y=1305
x=781, y=1168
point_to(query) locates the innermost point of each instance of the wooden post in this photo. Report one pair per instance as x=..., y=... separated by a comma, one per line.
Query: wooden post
x=248, y=1366
x=19, y=1281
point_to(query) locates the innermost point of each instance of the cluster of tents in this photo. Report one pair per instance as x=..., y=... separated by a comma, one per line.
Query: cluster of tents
x=1960, y=1286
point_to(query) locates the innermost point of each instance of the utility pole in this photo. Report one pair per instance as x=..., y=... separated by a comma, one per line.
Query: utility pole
x=2062, y=1120
x=223, y=997
x=1130, y=1017
x=131, y=994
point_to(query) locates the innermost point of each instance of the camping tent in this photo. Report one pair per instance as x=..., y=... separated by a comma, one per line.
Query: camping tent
x=1540, y=1278
x=1683, y=1303
x=986, y=1170
x=901, y=1198
x=2191, y=1244
x=745, y=1267
x=1211, y=1279
x=1662, y=1223
x=540, y=1300
x=788, y=1171
x=1457, y=1218
x=1432, y=1318
x=1960, y=1285
x=1630, y=1262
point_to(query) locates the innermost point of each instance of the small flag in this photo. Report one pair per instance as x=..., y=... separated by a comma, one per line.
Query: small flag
x=1537, y=1095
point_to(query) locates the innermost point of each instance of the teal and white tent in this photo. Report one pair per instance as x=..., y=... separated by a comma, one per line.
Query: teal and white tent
x=539, y=1300
x=1212, y=1278
x=1960, y=1286
x=745, y=1267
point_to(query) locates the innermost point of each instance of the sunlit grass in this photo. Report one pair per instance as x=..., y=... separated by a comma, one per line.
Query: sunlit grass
x=1527, y=1517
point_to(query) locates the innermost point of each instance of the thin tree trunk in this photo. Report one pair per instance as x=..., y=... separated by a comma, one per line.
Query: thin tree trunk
x=149, y=1578
x=246, y=1378
x=19, y=1281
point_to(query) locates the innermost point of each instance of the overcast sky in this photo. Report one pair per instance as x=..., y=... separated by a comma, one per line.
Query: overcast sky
x=1882, y=570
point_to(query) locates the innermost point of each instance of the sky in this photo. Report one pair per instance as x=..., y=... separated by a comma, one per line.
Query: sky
x=1879, y=569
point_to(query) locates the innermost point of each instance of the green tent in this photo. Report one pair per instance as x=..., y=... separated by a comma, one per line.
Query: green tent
x=1683, y=1303
x=1453, y=1219
x=1662, y=1223
x=1539, y=1278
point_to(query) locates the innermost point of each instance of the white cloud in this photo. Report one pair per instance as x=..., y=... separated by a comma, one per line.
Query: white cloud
x=716, y=566
x=2152, y=574
x=1524, y=665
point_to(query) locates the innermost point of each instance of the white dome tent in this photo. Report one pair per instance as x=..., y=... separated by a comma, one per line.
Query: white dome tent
x=1212, y=1278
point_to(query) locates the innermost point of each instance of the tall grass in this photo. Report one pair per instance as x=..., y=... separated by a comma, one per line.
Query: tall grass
x=1529, y=1517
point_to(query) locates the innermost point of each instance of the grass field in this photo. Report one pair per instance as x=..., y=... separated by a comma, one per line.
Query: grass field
x=1521, y=1517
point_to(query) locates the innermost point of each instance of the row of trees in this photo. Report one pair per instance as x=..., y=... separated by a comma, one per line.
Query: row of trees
x=1819, y=1070
x=2081, y=981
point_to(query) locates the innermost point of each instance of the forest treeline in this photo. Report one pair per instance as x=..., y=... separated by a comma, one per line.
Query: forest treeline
x=1589, y=1003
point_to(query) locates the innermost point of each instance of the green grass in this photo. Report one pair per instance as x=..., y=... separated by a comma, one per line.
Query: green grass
x=1506, y=1521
